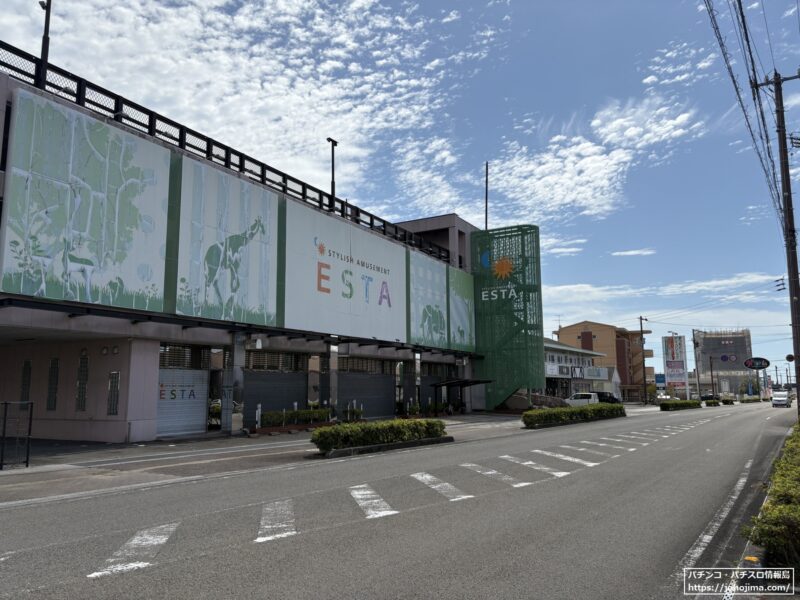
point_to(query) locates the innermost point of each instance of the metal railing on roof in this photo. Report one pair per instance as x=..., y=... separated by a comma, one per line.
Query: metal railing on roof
x=22, y=66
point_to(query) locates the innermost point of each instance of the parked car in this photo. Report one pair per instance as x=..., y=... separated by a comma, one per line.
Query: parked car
x=781, y=398
x=608, y=397
x=582, y=398
x=709, y=397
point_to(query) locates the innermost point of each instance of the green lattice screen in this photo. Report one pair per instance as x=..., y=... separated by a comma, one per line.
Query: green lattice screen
x=508, y=310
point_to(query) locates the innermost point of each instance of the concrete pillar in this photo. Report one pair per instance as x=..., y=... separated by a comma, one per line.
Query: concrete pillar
x=237, y=378
x=333, y=377
x=313, y=378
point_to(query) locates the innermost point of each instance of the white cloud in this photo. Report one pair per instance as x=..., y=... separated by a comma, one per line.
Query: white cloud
x=453, y=15
x=789, y=12
x=638, y=252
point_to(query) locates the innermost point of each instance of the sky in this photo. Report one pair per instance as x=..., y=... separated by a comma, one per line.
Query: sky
x=611, y=125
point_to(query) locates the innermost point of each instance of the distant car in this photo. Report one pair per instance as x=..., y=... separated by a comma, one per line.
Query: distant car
x=781, y=398
x=581, y=398
x=607, y=397
x=709, y=397
x=662, y=396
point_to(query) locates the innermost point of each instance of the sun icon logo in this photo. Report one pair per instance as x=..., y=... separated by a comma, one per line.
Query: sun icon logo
x=321, y=249
x=503, y=267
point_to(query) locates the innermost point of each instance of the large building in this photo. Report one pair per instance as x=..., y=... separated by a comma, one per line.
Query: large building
x=149, y=270
x=723, y=353
x=623, y=349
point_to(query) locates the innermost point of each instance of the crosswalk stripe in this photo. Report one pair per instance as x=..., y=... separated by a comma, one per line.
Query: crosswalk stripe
x=608, y=445
x=138, y=551
x=597, y=452
x=277, y=521
x=636, y=437
x=447, y=490
x=624, y=441
x=496, y=475
x=652, y=432
x=566, y=457
x=370, y=502
x=535, y=466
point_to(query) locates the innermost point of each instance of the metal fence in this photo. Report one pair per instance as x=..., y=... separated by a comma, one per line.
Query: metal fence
x=22, y=66
x=16, y=421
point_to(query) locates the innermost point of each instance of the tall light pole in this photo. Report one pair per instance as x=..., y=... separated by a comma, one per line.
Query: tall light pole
x=711, y=366
x=674, y=334
x=333, y=143
x=41, y=73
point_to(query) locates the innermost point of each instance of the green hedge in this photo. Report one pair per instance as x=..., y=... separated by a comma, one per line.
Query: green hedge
x=350, y=435
x=571, y=414
x=749, y=399
x=712, y=402
x=777, y=528
x=727, y=401
x=278, y=418
x=681, y=404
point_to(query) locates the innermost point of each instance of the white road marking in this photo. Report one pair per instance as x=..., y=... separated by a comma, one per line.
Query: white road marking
x=608, y=446
x=653, y=432
x=674, y=428
x=496, y=475
x=650, y=439
x=138, y=551
x=597, y=452
x=447, y=490
x=705, y=538
x=566, y=457
x=609, y=439
x=370, y=502
x=535, y=466
x=277, y=521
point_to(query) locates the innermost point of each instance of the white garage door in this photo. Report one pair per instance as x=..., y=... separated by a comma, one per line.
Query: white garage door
x=182, y=401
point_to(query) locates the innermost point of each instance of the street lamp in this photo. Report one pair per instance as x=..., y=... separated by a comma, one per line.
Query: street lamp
x=674, y=334
x=333, y=144
x=41, y=74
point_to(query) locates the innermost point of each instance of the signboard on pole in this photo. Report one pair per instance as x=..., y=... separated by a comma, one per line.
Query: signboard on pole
x=675, y=368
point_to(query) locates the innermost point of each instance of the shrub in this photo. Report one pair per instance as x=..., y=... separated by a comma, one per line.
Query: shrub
x=777, y=528
x=350, y=435
x=682, y=404
x=276, y=418
x=748, y=399
x=571, y=414
x=728, y=401
x=712, y=402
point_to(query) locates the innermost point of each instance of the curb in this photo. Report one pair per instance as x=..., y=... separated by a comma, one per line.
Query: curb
x=340, y=452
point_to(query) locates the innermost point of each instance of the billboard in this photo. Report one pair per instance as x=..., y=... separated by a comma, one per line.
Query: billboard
x=342, y=280
x=228, y=249
x=427, y=300
x=85, y=209
x=675, y=366
x=462, y=310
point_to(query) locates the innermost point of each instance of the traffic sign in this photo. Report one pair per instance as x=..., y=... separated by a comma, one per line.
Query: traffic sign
x=756, y=363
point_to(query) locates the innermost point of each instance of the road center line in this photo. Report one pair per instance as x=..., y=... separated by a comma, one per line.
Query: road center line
x=535, y=466
x=566, y=457
x=597, y=452
x=608, y=445
x=650, y=439
x=277, y=521
x=496, y=475
x=624, y=441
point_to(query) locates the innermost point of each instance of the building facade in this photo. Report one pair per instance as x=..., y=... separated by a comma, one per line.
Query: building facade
x=719, y=360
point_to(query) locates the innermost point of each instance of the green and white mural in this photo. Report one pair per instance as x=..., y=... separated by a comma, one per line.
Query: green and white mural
x=427, y=292
x=462, y=310
x=85, y=209
x=227, y=258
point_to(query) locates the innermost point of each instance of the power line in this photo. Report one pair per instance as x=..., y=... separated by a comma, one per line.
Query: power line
x=769, y=41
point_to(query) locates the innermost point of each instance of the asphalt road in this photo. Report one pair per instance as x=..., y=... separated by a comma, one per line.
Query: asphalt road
x=601, y=510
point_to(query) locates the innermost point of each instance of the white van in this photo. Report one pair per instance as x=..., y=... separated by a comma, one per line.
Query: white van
x=781, y=398
x=583, y=398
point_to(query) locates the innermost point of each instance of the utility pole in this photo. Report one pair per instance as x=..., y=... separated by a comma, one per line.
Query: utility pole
x=696, y=364
x=789, y=231
x=711, y=366
x=644, y=370
x=486, y=199
x=41, y=73
x=777, y=382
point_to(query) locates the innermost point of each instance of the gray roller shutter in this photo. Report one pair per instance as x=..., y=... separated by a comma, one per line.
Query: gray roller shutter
x=182, y=402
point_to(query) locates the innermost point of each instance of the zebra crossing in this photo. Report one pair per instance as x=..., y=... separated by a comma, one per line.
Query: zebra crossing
x=279, y=519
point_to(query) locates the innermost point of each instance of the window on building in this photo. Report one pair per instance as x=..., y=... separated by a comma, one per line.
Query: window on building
x=25, y=388
x=558, y=360
x=113, y=392
x=83, y=380
x=52, y=384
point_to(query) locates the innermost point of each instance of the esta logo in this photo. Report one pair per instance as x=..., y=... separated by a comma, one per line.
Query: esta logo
x=347, y=287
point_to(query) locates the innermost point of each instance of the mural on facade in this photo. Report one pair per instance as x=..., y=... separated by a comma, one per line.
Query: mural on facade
x=341, y=279
x=227, y=261
x=428, y=301
x=462, y=310
x=85, y=209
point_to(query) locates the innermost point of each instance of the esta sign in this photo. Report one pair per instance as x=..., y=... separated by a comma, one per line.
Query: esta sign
x=756, y=363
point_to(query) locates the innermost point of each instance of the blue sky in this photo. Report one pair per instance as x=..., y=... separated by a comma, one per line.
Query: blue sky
x=612, y=125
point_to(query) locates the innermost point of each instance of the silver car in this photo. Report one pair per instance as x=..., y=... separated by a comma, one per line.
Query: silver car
x=781, y=398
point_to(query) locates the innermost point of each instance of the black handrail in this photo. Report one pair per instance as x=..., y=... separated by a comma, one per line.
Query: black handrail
x=22, y=66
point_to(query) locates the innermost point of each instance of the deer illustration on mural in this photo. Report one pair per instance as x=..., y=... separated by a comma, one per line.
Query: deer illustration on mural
x=227, y=256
